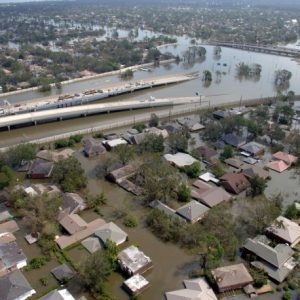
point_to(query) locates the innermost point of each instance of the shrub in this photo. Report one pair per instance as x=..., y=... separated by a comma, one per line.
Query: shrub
x=286, y=296
x=193, y=170
x=130, y=221
x=183, y=193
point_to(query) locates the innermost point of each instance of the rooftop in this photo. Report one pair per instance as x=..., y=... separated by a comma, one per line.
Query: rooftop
x=110, y=231
x=231, y=276
x=192, y=211
x=286, y=230
x=133, y=261
x=180, y=159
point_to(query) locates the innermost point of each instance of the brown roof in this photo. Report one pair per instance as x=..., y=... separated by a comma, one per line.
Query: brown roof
x=10, y=226
x=208, y=154
x=209, y=195
x=251, y=171
x=234, y=162
x=232, y=276
x=65, y=240
x=234, y=182
x=122, y=173
x=73, y=223
x=286, y=157
x=277, y=165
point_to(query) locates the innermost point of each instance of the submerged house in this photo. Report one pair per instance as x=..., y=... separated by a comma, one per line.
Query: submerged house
x=40, y=169
x=93, y=148
x=234, y=183
x=133, y=261
x=276, y=261
x=14, y=286
x=195, y=289
x=231, y=277
x=285, y=231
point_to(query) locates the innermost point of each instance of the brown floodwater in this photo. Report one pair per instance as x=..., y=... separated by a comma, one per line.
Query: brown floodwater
x=171, y=263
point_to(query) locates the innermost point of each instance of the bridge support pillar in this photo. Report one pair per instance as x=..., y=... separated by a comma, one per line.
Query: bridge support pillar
x=8, y=127
x=35, y=123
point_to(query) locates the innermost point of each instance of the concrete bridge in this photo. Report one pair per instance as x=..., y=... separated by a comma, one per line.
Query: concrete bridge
x=33, y=118
x=260, y=48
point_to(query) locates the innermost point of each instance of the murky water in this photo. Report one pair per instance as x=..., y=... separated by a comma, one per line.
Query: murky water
x=225, y=86
x=171, y=263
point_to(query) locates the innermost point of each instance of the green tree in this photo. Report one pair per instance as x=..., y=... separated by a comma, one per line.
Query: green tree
x=69, y=174
x=227, y=153
x=183, y=193
x=256, y=215
x=96, y=201
x=193, y=170
x=19, y=153
x=276, y=133
x=177, y=142
x=159, y=180
x=213, y=131
x=152, y=143
x=211, y=252
x=124, y=153
x=258, y=186
x=292, y=212
x=7, y=177
x=154, y=120
x=95, y=272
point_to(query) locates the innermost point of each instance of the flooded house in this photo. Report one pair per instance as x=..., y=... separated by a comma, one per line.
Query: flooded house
x=93, y=147
x=73, y=223
x=253, y=148
x=40, y=169
x=122, y=173
x=208, y=154
x=193, y=211
x=63, y=273
x=276, y=261
x=58, y=295
x=197, y=288
x=234, y=183
x=110, y=231
x=285, y=231
x=136, y=284
x=14, y=286
x=11, y=256
x=133, y=261
x=209, y=195
x=180, y=159
x=72, y=203
x=231, y=277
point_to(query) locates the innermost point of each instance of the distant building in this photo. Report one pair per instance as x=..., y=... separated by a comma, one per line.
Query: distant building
x=132, y=261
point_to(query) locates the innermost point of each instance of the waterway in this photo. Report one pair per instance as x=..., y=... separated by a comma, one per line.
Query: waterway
x=224, y=87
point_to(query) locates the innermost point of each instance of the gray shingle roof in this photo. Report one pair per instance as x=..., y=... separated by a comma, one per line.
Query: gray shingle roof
x=276, y=256
x=91, y=244
x=112, y=232
x=192, y=211
x=11, y=254
x=13, y=285
x=62, y=272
